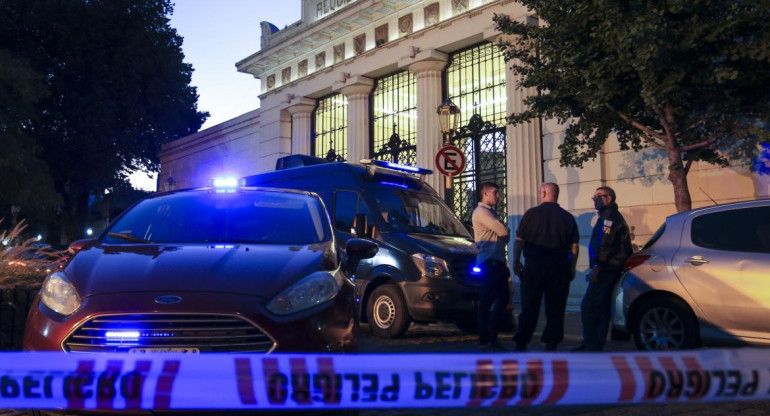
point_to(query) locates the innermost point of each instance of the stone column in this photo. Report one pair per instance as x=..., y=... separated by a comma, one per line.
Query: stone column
x=524, y=156
x=357, y=90
x=301, y=110
x=427, y=67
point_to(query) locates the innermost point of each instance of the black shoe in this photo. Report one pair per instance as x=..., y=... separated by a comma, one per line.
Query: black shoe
x=551, y=346
x=520, y=347
x=581, y=347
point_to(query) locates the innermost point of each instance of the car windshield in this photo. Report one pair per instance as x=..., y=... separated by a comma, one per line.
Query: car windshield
x=255, y=217
x=408, y=211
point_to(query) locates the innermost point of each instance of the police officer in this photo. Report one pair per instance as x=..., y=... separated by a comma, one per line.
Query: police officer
x=491, y=237
x=609, y=248
x=548, y=236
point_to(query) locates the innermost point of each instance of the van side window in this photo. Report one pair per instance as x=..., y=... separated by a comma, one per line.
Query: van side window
x=745, y=230
x=351, y=215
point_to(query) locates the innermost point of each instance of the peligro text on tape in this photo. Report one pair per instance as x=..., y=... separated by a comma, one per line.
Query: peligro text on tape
x=295, y=381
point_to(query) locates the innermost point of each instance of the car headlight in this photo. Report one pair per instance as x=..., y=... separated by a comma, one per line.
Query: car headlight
x=308, y=292
x=59, y=295
x=431, y=266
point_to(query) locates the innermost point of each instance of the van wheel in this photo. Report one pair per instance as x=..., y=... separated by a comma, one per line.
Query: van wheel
x=665, y=324
x=387, y=312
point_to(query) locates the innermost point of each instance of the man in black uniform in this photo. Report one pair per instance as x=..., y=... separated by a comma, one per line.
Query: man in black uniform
x=609, y=248
x=548, y=236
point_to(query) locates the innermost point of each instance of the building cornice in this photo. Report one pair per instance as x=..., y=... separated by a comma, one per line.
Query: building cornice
x=291, y=53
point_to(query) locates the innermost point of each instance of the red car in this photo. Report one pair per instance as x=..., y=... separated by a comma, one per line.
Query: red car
x=217, y=269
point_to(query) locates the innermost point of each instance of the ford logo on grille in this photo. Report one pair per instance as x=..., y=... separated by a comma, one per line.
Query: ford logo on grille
x=168, y=299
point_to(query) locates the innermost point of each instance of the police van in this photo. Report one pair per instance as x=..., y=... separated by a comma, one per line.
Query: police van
x=425, y=268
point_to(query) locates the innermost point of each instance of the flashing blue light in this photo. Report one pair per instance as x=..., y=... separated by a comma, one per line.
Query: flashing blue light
x=403, y=167
x=476, y=270
x=122, y=336
x=400, y=185
x=398, y=166
x=225, y=182
x=222, y=246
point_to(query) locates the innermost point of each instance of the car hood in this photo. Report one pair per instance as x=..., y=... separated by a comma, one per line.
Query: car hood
x=258, y=270
x=444, y=245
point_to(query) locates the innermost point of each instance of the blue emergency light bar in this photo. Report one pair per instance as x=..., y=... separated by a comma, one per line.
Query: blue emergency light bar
x=226, y=184
x=397, y=166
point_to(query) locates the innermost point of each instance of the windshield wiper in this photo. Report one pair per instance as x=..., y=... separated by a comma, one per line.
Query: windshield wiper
x=129, y=237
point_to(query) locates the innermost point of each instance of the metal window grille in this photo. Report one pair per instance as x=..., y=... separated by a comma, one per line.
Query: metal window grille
x=330, y=128
x=475, y=81
x=394, y=119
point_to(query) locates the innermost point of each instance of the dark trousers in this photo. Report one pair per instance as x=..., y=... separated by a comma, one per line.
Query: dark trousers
x=595, y=310
x=543, y=278
x=493, y=299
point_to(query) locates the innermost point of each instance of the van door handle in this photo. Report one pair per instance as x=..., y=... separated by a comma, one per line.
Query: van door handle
x=696, y=260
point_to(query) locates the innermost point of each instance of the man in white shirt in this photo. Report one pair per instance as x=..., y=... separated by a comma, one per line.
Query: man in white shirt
x=491, y=237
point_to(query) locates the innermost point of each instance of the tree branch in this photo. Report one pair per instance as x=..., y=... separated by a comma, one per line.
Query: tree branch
x=703, y=143
x=665, y=122
x=650, y=133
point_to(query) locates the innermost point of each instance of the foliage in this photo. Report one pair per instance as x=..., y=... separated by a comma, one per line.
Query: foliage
x=688, y=77
x=116, y=88
x=26, y=179
x=23, y=260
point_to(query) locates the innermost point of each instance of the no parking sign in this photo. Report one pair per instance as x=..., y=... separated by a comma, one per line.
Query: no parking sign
x=450, y=161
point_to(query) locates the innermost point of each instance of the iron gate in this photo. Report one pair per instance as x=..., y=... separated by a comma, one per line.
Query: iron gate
x=484, y=146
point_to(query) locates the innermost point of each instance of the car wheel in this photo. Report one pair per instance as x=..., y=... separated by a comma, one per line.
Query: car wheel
x=665, y=324
x=387, y=312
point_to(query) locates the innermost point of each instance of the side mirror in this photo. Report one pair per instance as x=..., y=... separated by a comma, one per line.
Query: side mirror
x=358, y=249
x=83, y=244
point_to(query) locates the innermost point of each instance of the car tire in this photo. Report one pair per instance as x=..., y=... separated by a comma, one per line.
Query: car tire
x=387, y=313
x=665, y=324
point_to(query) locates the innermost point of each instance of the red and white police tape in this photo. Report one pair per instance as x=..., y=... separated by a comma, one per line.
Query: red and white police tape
x=297, y=381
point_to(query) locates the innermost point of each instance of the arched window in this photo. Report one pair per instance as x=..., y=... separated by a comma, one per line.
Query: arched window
x=394, y=119
x=475, y=82
x=330, y=128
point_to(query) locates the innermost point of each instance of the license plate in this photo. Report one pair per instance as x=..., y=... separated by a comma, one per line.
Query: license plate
x=174, y=350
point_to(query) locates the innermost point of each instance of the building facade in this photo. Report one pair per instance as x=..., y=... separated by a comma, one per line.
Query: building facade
x=361, y=79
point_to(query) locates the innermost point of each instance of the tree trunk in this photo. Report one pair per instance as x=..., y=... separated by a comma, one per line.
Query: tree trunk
x=678, y=177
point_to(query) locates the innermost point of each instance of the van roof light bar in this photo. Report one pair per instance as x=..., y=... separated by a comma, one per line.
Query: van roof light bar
x=226, y=185
x=396, y=166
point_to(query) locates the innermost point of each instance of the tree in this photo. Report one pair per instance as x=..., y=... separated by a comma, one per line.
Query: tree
x=688, y=77
x=117, y=89
x=26, y=181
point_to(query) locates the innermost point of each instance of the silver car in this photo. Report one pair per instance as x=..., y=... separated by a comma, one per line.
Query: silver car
x=703, y=278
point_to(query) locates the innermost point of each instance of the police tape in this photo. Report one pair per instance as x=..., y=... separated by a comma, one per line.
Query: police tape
x=296, y=381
